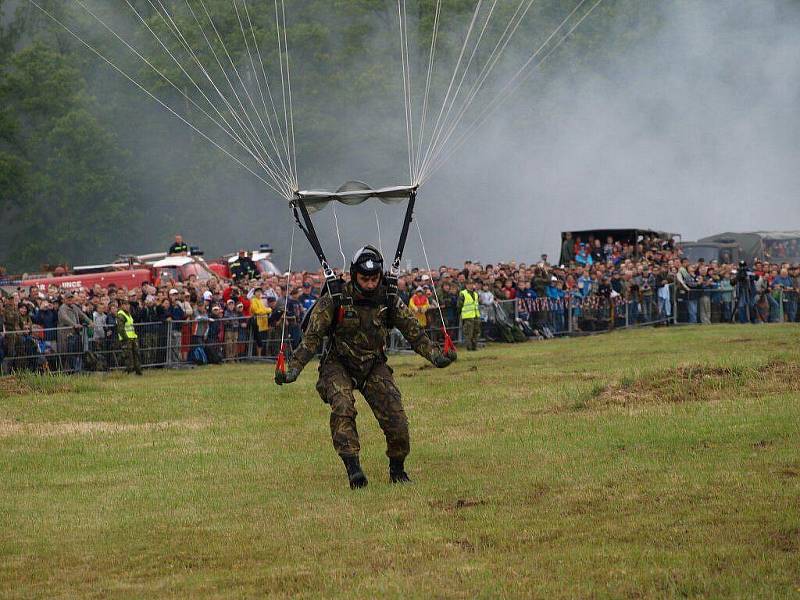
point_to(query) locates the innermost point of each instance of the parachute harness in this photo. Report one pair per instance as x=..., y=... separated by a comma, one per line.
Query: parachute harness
x=334, y=284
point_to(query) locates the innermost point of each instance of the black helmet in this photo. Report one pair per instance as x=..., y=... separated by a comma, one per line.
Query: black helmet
x=367, y=261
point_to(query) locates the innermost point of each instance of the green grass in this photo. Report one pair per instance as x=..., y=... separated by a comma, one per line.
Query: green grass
x=651, y=463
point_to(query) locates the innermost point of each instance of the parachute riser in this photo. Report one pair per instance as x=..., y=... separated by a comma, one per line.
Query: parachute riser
x=306, y=225
x=393, y=275
x=335, y=284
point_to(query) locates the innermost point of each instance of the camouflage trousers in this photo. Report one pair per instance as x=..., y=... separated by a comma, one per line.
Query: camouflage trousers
x=336, y=388
x=472, y=331
x=130, y=349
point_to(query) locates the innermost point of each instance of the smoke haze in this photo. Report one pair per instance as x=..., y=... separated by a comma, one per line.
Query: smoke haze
x=694, y=130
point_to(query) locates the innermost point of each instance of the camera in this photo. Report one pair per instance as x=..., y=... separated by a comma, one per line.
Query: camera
x=743, y=274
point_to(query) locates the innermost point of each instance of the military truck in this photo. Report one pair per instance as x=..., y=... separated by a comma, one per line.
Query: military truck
x=729, y=247
x=630, y=235
x=722, y=252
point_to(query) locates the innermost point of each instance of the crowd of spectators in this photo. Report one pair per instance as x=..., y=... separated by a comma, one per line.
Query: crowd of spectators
x=597, y=284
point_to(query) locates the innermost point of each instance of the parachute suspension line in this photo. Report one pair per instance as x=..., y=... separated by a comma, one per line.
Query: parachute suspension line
x=271, y=132
x=283, y=84
x=268, y=163
x=289, y=86
x=455, y=74
x=378, y=223
x=288, y=285
x=167, y=19
x=239, y=77
x=401, y=16
x=513, y=84
x=251, y=129
x=464, y=73
x=150, y=94
x=280, y=364
x=410, y=96
x=430, y=274
x=266, y=80
x=283, y=81
x=494, y=57
x=431, y=56
x=170, y=23
x=138, y=55
x=339, y=238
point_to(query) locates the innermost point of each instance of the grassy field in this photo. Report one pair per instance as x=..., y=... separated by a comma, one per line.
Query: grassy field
x=651, y=463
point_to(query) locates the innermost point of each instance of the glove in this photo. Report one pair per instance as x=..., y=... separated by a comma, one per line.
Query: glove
x=442, y=360
x=290, y=376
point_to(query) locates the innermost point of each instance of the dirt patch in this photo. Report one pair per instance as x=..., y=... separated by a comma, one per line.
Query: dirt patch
x=789, y=473
x=787, y=540
x=463, y=544
x=694, y=383
x=762, y=444
x=26, y=382
x=11, y=386
x=15, y=428
x=459, y=504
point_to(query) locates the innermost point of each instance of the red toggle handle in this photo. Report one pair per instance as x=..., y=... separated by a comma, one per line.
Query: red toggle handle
x=448, y=342
x=280, y=364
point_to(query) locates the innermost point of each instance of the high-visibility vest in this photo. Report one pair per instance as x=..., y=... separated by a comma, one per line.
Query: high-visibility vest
x=469, y=310
x=130, y=332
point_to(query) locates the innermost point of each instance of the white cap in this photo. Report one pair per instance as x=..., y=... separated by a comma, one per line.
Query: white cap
x=207, y=295
x=173, y=291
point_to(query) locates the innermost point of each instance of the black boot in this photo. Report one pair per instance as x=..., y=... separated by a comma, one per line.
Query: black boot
x=397, y=473
x=354, y=473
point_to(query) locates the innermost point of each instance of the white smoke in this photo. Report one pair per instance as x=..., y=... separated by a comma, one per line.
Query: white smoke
x=695, y=129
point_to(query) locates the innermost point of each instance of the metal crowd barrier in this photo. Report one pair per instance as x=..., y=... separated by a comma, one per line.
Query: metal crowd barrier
x=574, y=313
x=740, y=304
x=165, y=344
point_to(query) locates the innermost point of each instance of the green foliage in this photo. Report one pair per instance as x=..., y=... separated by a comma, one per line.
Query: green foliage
x=66, y=181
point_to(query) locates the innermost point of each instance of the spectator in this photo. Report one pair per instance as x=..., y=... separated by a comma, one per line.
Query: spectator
x=174, y=318
x=231, y=328
x=419, y=306
x=71, y=321
x=584, y=257
x=179, y=247
x=294, y=317
x=261, y=313
x=243, y=267
x=307, y=298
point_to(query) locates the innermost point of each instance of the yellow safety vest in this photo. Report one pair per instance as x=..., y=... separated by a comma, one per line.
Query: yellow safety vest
x=130, y=332
x=469, y=310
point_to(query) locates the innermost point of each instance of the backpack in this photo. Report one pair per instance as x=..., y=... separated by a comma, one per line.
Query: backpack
x=212, y=355
x=198, y=356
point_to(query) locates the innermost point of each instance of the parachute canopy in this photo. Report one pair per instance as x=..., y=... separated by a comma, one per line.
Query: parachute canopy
x=355, y=192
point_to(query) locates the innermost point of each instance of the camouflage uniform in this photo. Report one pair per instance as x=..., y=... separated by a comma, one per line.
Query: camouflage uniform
x=356, y=360
x=13, y=322
x=470, y=328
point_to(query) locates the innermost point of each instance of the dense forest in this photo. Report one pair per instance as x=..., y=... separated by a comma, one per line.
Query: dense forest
x=91, y=167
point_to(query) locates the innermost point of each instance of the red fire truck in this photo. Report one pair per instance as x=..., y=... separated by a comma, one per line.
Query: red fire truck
x=128, y=272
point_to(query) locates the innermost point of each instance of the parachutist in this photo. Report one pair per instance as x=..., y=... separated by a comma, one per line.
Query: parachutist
x=357, y=325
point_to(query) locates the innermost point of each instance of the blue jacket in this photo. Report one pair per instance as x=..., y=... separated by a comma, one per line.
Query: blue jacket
x=176, y=312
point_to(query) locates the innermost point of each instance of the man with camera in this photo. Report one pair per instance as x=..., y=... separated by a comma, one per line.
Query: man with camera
x=745, y=286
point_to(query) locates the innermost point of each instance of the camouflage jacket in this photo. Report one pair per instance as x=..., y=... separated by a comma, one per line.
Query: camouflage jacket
x=360, y=332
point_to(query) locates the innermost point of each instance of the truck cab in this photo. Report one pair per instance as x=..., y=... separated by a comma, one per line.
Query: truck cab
x=723, y=253
x=182, y=268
